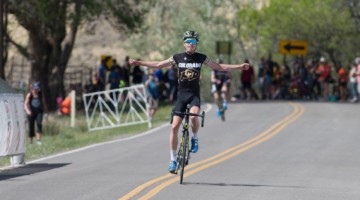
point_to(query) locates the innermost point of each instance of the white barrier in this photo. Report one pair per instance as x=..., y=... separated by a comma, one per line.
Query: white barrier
x=12, y=125
x=116, y=108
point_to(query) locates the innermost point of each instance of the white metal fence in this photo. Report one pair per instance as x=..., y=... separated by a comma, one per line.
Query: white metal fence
x=116, y=108
x=12, y=123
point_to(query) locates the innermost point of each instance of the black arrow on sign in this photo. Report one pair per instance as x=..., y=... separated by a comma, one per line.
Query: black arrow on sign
x=288, y=47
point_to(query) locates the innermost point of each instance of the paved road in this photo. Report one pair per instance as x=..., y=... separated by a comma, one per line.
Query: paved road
x=274, y=150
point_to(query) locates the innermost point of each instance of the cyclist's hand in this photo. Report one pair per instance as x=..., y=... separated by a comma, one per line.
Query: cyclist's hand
x=245, y=66
x=133, y=62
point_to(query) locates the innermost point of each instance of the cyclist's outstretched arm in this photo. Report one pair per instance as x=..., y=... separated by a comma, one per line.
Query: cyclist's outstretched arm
x=227, y=67
x=151, y=64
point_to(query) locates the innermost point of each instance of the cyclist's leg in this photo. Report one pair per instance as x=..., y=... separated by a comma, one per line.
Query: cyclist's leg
x=224, y=94
x=195, y=124
x=174, y=134
x=216, y=97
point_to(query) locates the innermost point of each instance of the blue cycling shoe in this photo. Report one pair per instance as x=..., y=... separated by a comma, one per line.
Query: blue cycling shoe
x=194, y=145
x=172, y=166
x=218, y=113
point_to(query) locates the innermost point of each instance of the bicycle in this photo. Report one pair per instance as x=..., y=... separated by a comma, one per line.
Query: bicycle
x=184, y=150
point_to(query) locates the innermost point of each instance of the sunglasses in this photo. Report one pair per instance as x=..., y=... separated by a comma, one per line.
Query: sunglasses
x=191, y=41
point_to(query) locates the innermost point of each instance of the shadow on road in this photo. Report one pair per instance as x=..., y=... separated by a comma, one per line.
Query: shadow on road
x=29, y=169
x=239, y=185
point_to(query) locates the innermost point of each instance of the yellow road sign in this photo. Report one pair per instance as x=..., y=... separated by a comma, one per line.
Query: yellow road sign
x=293, y=47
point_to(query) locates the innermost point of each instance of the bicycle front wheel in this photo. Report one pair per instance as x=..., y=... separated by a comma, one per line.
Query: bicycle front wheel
x=184, y=154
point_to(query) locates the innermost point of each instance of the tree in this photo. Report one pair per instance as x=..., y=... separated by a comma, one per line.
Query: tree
x=323, y=23
x=52, y=26
x=3, y=39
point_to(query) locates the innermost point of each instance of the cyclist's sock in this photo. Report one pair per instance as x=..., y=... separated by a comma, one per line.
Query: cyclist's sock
x=223, y=96
x=195, y=136
x=173, y=154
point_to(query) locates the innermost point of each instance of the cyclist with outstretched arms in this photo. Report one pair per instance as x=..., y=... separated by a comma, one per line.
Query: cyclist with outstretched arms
x=189, y=65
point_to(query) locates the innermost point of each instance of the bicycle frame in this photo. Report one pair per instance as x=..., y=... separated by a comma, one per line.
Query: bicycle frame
x=184, y=150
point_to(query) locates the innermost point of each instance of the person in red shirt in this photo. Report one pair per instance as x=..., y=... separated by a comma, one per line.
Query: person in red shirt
x=247, y=78
x=324, y=72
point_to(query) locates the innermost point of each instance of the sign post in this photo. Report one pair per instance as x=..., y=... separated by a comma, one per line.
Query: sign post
x=294, y=47
x=224, y=48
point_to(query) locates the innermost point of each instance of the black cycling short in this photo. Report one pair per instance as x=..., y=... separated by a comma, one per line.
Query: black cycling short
x=185, y=98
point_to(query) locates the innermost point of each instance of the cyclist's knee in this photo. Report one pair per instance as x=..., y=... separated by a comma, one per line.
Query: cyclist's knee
x=175, y=127
x=194, y=119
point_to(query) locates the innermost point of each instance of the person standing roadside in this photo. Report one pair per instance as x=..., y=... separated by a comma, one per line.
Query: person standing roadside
x=342, y=82
x=153, y=97
x=33, y=106
x=324, y=71
x=357, y=61
x=353, y=83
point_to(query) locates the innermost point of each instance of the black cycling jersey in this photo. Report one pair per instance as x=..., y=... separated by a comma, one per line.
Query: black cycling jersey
x=189, y=67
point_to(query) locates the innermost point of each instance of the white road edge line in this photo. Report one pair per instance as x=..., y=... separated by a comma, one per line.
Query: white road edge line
x=209, y=106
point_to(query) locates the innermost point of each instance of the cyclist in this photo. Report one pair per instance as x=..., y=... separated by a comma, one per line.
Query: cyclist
x=189, y=64
x=220, y=85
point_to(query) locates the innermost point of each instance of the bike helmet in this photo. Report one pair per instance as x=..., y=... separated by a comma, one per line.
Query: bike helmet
x=191, y=34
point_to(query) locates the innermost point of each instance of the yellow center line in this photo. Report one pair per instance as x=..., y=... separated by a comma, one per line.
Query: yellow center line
x=221, y=157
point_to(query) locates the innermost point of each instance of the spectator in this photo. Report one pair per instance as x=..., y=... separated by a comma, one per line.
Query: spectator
x=247, y=77
x=126, y=72
x=324, y=71
x=34, y=108
x=115, y=77
x=285, y=82
x=357, y=60
x=172, y=81
x=302, y=77
x=114, y=80
x=342, y=82
x=153, y=98
x=261, y=77
x=162, y=90
x=314, y=84
x=137, y=75
x=353, y=83
x=101, y=76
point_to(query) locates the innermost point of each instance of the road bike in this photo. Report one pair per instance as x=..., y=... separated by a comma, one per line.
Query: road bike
x=183, y=155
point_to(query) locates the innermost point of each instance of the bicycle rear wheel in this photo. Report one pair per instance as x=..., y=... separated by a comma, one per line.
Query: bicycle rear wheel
x=184, y=154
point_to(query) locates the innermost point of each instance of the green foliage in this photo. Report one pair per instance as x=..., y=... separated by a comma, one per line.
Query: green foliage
x=325, y=24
